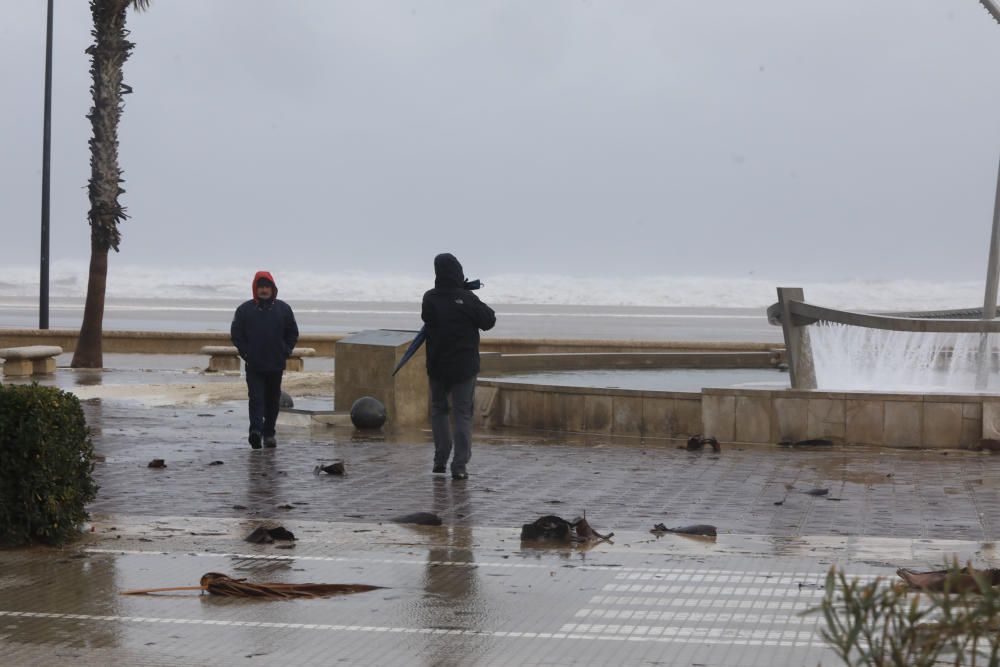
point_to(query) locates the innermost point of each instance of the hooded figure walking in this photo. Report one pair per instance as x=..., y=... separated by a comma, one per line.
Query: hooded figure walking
x=264, y=331
x=453, y=316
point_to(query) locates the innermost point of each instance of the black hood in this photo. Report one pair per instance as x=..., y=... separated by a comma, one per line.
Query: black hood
x=448, y=271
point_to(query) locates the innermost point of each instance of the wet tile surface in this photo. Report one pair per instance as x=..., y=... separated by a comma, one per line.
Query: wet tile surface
x=621, y=484
x=469, y=592
x=453, y=595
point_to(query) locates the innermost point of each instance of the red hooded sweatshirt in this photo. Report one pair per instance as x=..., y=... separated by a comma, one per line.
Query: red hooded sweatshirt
x=264, y=334
x=257, y=276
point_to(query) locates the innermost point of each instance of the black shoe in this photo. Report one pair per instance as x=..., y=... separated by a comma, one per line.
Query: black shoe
x=459, y=476
x=270, y=441
x=439, y=470
x=254, y=439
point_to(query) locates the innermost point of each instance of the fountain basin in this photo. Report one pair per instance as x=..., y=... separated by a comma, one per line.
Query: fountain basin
x=935, y=421
x=746, y=415
x=672, y=379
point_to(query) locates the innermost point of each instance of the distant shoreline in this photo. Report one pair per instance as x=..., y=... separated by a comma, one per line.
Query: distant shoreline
x=514, y=321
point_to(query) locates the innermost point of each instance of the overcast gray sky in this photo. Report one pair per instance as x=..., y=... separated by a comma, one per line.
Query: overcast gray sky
x=792, y=139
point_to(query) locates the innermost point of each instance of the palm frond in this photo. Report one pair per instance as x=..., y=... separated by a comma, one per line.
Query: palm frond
x=992, y=8
x=215, y=583
x=140, y=5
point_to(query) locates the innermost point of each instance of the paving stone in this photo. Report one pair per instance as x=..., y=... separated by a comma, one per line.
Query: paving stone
x=467, y=592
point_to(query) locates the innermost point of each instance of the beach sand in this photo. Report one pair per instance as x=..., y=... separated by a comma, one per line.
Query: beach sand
x=200, y=392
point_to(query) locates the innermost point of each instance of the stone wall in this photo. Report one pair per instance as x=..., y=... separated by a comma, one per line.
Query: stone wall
x=863, y=418
x=496, y=362
x=150, y=342
x=655, y=414
x=190, y=342
x=564, y=345
x=755, y=416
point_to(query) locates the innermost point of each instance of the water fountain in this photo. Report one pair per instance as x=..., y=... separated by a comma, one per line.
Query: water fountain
x=933, y=351
x=854, y=358
x=917, y=351
x=916, y=379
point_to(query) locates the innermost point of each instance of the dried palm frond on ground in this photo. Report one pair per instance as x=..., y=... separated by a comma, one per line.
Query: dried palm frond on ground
x=558, y=529
x=584, y=531
x=335, y=468
x=215, y=583
x=700, y=529
x=955, y=580
x=418, y=518
x=696, y=443
x=262, y=535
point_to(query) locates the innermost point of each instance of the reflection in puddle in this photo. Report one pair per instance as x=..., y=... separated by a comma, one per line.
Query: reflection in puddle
x=93, y=412
x=88, y=377
x=455, y=597
x=264, y=481
x=86, y=585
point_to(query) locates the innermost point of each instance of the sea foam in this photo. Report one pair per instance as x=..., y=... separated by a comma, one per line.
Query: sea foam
x=69, y=279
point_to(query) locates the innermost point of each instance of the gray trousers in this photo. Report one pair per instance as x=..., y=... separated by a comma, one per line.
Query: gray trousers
x=462, y=398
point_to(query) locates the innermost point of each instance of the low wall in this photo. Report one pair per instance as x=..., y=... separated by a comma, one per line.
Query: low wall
x=493, y=362
x=864, y=418
x=759, y=416
x=752, y=416
x=190, y=342
x=655, y=414
x=558, y=345
x=149, y=342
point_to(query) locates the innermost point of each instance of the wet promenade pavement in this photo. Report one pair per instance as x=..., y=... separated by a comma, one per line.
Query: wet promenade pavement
x=469, y=592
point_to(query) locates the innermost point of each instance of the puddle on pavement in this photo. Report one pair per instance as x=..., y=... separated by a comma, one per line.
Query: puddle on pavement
x=438, y=579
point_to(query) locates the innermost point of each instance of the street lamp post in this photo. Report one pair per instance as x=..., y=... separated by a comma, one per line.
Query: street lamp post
x=43, y=282
x=993, y=265
x=990, y=301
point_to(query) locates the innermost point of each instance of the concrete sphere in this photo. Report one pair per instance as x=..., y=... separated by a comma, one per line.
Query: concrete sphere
x=368, y=412
x=286, y=401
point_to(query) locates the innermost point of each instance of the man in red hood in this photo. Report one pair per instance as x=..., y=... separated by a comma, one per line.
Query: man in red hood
x=264, y=331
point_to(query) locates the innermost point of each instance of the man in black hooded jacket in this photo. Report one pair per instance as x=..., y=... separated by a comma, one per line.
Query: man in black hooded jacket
x=453, y=316
x=264, y=332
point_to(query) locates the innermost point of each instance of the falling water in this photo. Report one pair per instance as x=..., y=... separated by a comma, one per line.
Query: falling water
x=856, y=358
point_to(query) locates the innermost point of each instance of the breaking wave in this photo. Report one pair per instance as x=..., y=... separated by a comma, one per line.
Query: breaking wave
x=69, y=279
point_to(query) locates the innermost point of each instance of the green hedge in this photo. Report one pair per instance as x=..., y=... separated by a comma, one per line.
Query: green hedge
x=46, y=461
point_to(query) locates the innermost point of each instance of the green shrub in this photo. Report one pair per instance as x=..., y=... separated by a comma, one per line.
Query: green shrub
x=885, y=624
x=46, y=460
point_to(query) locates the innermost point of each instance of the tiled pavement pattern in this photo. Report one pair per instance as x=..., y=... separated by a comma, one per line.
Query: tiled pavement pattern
x=515, y=477
x=453, y=596
x=469, y=592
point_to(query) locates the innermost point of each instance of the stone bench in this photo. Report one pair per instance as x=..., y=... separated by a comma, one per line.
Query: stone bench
x=294, y=362
x=227, y=358
x=29, y=360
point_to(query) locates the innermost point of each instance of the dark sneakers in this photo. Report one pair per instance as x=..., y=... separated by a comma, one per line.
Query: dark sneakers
x=442, y=469
x=270, y=441
x=254, y=439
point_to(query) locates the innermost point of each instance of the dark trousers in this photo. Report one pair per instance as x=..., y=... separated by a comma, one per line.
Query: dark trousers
x=264, y=388
x=461, y=395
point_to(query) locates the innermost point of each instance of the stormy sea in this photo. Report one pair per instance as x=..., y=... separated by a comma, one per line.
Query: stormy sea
x=528, y=306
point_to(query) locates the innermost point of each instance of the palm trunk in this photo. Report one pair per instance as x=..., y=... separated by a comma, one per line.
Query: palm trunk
x=108, y=54
x=89, y=352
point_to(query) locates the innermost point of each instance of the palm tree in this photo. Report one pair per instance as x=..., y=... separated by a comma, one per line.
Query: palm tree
x=992, y=7
x=108, y=53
